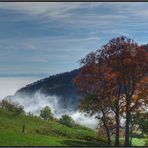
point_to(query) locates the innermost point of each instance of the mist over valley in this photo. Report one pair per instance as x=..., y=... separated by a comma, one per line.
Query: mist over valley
x=56, y=91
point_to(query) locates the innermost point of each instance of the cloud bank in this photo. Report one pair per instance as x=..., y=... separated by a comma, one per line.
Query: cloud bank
x=38, y=101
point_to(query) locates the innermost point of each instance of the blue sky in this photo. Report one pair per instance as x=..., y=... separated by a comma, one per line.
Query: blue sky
x=48, y=38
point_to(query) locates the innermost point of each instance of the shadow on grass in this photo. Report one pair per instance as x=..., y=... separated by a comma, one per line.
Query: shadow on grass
x=82, y=143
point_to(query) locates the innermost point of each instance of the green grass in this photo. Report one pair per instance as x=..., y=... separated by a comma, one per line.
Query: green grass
x=39, y=132
x=135, y=141
x=138, y=141
x=8, y=138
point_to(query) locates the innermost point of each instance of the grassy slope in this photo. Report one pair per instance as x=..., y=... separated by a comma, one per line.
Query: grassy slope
x=42, y=133
x=138, y=142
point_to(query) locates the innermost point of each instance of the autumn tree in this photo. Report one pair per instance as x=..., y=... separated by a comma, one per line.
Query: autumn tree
x=116, y=74
x=95, y=79
x=129, y=61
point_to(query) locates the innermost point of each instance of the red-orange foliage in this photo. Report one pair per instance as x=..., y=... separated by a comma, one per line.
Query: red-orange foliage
x=118, y=70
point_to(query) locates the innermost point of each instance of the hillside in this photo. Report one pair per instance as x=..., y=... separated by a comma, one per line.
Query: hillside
x=39, y=132
x=59, y=85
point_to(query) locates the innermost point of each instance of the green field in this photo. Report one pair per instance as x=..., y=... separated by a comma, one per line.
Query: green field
x=39, y=132
x=136, y=141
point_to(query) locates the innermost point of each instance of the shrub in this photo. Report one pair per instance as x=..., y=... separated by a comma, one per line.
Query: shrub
x=67, y=120
x=78, y=126
x=53, y=132
x=46, y=113
x=43, y=131
x=12, y=106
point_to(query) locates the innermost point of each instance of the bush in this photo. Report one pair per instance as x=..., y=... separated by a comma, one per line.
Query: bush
x=53, y=132
x=78, y=126
x=67, y=120
x=43, y=131
x=46, y=113
x=12, y=106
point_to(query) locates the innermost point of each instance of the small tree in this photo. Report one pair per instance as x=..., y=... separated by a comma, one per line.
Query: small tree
x=12, y=106
x=46, y=113
x=91, y=106
x=67, y=120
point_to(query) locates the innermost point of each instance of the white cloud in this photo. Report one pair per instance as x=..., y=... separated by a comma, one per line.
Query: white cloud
x=51, y=9
x=67, y=11
x=99, y=16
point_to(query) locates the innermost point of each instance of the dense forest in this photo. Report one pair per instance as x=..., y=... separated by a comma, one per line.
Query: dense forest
x=60, y=85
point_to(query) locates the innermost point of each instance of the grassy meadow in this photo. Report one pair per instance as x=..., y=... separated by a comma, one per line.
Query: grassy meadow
x=39, y=132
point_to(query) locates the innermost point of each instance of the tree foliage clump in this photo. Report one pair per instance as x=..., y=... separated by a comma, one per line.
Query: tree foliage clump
x=12, y=106
x=46, y=113
x=67, y=120
x=140, y=120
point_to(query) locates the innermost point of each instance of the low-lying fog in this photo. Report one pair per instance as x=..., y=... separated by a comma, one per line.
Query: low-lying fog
x=8, y=86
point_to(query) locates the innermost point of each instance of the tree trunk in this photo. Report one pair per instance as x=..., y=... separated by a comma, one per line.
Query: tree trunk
x=107, y=133
x=131, y=133
x=126, y=142
x=131, y=139
x=117, y=143
x=129, y=93
x=106, y=128
x=23, y=128
x=117, y=128
x=142, y=133
x=108, y=137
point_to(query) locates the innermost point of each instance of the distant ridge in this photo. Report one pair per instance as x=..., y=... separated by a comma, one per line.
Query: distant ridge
x=24, y=75
x=59, y=85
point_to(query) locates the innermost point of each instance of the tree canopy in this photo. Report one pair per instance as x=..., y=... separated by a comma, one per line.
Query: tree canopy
x=116, y=75
x=46, y=113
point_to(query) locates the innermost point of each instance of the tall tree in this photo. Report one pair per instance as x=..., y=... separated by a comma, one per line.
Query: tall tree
x=116, y=71
x=129, y=60
x=95, y=79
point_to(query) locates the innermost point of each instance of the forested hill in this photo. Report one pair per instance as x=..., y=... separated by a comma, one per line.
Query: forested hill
x=59, y=85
